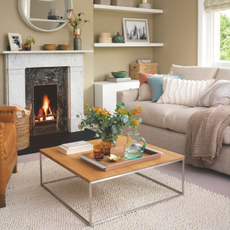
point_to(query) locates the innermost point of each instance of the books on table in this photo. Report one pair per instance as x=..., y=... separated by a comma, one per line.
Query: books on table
x=75, y=147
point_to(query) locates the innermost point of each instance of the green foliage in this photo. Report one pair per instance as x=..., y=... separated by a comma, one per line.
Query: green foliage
x=110, y=125
x=30, y=40
x=224, y=38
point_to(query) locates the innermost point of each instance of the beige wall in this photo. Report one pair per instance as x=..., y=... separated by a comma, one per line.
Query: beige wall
x=11, y=22
x=176, y=28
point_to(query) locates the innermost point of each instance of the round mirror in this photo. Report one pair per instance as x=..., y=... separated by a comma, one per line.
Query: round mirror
x=45, y=15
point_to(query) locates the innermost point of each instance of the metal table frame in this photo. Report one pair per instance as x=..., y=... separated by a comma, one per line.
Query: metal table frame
x=137, y=172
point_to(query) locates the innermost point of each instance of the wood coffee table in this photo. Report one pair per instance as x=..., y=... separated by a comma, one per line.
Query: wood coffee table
x=93, y=175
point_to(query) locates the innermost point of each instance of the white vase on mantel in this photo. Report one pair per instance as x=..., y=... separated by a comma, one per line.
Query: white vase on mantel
x=145, y=4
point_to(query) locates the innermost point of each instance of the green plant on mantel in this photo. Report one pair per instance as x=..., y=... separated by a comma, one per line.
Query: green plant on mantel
x=30, y=40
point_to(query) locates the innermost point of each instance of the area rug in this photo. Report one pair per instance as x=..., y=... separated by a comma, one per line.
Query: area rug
x=29, y=206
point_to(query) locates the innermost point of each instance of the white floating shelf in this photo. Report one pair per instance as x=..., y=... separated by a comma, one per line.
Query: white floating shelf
x=127, y=9
x=128, y=44
x=48, y=51
x=46, y=20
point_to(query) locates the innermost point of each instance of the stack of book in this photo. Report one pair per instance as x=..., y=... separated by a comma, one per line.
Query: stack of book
x=75, y=147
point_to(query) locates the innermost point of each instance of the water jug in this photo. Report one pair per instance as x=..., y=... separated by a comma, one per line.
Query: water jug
x=134, y=148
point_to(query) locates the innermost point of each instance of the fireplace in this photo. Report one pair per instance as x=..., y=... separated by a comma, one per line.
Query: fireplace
x=46, y=91
x=69, y=88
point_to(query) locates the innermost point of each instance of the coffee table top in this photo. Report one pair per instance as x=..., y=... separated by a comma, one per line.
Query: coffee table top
x=91, y=173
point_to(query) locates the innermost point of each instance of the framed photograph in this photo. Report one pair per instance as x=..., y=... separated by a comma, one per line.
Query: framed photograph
x=15, y=41
x=135, y=30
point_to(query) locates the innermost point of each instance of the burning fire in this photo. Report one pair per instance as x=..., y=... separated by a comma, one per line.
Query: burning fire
x=45, y=110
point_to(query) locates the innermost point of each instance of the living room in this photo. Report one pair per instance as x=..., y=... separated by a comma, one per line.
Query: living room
x=177, y=29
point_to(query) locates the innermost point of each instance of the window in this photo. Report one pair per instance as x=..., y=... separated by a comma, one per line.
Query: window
x=213, y=37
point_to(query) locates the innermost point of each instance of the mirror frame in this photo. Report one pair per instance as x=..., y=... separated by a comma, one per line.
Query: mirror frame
x=21, y=3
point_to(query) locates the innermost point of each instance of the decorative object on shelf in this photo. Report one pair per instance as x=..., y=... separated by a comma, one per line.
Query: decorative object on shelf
x=122, y=3
x=133, y=148
x=77, y=43
x=105, y=38
x=103, y=2
x=29, y=41
x=145, y=4
x=77, y=23
x=118, y=38
x=119, y=74
x=15, y=40
x=143, y=61
x=109, y=126
x=49, y=46
x=63, y=46
x=149, y=68
x=112, y=79
x=136, y=30
x=53, y=14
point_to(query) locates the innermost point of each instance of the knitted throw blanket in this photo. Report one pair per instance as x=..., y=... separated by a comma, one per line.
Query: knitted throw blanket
x=204, y=135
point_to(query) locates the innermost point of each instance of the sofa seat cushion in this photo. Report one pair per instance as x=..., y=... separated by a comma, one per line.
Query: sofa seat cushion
x=169, y=116
x=9, y=137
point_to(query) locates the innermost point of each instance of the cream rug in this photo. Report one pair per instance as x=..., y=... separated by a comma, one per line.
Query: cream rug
x=29, y=206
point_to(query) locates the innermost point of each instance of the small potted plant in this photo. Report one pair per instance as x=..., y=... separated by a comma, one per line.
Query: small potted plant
x=29, y=41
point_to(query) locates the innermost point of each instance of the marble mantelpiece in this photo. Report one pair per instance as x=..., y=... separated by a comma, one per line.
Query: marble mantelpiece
x=16, y=63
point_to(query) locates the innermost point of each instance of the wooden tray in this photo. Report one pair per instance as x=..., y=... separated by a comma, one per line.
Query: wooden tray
x=107, y=165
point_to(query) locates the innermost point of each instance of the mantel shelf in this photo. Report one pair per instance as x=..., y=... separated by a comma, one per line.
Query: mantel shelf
x=128, y=44
x=127, y=9
x=48, y=52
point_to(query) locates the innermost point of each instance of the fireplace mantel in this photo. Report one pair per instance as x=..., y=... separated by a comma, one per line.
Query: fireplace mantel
x=16, y=63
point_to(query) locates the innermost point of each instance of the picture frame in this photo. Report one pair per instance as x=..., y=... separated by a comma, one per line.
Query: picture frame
x=135, y=30
x=15, y=40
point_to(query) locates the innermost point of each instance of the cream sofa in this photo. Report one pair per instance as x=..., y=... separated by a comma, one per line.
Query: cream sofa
x=164, y=125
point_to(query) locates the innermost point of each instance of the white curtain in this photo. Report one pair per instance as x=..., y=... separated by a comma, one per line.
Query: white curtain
x=216, y=5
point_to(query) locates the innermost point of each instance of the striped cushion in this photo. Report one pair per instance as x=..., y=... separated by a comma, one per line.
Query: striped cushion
x=183, y=92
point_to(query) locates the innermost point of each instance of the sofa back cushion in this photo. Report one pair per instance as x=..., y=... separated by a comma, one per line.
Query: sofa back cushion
x=183, y=92
x=195, y=72
x=223, y=74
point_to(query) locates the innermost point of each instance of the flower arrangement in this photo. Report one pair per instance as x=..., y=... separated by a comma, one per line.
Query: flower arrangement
x=30, y=40
x=77, y=22
x=110, y=125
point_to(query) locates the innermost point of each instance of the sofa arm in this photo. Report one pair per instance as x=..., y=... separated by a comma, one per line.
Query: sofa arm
x=127, y=96
x=8, y=114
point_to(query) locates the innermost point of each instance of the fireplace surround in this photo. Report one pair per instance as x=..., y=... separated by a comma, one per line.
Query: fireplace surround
x=17, y=62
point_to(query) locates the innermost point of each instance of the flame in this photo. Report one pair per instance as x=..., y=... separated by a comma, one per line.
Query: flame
x=45, y=110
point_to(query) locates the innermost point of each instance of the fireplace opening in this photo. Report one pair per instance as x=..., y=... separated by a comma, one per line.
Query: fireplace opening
x=45, y=104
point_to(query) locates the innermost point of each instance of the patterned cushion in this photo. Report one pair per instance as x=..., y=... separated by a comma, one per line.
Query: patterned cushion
x=218, y=94
x=183, y=92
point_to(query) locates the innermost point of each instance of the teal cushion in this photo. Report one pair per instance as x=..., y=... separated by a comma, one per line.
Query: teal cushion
x=156, y=84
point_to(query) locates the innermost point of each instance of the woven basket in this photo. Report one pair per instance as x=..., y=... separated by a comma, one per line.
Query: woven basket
x=122, y=3
x=102, y=2
x=134, y=68
x=23, y=127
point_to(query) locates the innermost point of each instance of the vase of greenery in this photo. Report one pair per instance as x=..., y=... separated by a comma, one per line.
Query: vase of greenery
x=29, y=41
x=110, y=126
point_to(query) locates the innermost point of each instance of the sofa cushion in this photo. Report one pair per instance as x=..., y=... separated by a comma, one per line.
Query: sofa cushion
x=145, y=93
x=183, y=92
x=217, y=94
x=156, y=84
x=223, y=73
x=195, y=72
x=9, y=137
